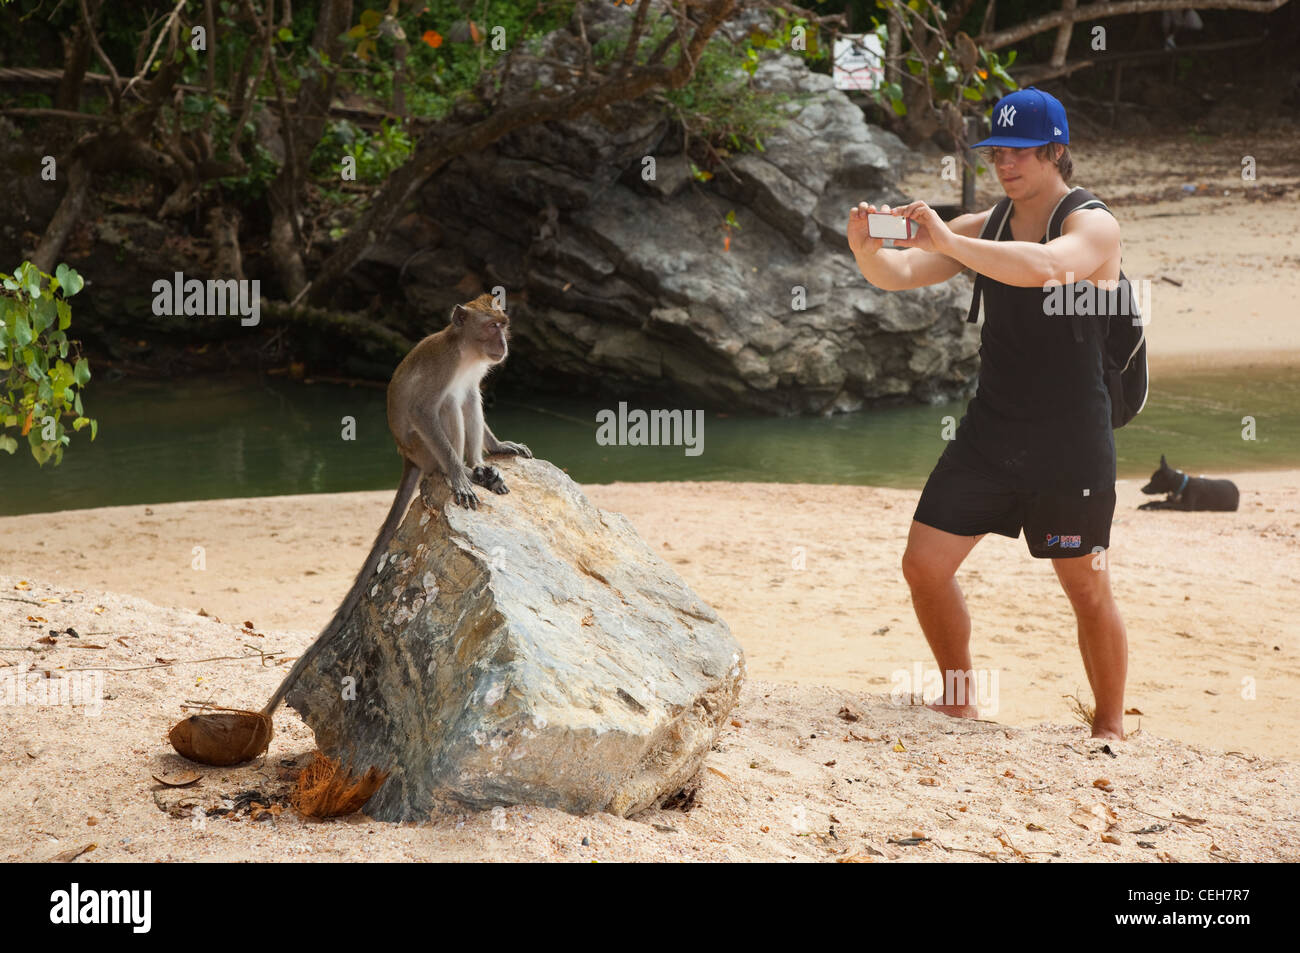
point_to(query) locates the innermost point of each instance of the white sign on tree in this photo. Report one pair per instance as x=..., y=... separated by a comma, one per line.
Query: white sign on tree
x=859, y=62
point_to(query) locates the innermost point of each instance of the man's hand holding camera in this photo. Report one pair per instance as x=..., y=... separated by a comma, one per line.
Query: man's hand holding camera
x=934, y=234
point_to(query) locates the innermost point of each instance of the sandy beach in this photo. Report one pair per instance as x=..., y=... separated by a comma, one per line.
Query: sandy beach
x=1209, y=601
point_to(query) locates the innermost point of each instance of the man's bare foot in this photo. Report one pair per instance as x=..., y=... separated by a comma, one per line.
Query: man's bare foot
x=1109, y=733
x=955, y=711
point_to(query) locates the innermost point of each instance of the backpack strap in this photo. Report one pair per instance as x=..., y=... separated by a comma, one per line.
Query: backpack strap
x=992, y=230
x=1077, y=198
x=1073, y=200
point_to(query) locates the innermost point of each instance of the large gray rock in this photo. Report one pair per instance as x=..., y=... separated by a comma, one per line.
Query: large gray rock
x=531, y=651
x=622, y=286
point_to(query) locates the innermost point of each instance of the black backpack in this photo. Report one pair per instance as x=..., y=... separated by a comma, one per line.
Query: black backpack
x=1124, y=354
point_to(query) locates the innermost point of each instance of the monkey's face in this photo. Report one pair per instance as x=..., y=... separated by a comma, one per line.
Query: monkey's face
x=493, y=334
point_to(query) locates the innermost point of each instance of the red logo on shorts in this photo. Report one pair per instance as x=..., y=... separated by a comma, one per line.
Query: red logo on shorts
x=1066, y=542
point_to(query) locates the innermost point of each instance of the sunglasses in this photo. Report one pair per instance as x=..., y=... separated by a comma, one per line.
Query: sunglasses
x=994, y=154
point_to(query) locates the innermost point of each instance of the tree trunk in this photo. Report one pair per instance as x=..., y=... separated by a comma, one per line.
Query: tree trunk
x=65, y=218
x=223, y=229
x=893, y=55
x=76, y=57
x=284, y=248
x=301, y=133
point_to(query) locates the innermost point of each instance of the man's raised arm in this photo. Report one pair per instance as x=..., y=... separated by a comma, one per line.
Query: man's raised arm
x=1088, y=238
x=897, y=269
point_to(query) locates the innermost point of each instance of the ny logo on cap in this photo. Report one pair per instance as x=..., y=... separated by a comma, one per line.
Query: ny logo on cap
x=1055, y=131
x=1007, y=116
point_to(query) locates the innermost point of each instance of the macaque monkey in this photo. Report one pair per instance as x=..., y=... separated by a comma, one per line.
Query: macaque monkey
x=435, y=411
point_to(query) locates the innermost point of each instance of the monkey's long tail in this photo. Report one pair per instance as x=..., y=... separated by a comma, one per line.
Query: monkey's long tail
x=405, y=490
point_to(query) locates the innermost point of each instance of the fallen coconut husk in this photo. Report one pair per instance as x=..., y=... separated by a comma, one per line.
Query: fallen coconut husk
x=324, y=789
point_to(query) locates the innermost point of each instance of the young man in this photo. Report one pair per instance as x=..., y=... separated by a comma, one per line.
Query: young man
x=1035, y=446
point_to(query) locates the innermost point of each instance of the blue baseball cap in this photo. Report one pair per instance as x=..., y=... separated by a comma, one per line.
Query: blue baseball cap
x=1027, y=117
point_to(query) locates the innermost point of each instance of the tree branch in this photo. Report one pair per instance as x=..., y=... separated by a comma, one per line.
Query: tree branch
x=1099, y=11
x=156, y=43
x=58, y=114
x=115, y=81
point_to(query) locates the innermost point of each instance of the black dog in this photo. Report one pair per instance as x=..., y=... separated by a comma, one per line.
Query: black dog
x=1187, y=492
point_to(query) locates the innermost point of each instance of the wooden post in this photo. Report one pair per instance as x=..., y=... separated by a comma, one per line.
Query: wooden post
x=894, y=52
x=1063, y=35
x=968, y=166
x=1114, y=94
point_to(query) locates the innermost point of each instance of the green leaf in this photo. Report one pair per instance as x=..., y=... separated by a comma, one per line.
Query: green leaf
x=30, y=278
x=81, y=373
x=899, y=107
x=69, y=280
x=80, y=422
x=65, y=314
x=371, y=19
x=970, y=92
x=61, y=375
x=284, y=35
x=22, y=331
x=94, y=428
x=43, y=314
x=1011, y=58
x=8, y=444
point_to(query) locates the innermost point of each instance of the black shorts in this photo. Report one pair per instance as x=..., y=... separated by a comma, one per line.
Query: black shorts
x=966, y=500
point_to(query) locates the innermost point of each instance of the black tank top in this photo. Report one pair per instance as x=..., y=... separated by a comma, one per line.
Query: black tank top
x=1040, y=418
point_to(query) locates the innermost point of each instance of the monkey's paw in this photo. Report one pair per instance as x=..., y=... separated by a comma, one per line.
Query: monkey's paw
x=490, y=477
x=463, y=492
x=509, y=446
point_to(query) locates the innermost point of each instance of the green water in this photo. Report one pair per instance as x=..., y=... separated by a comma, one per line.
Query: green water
x=215, y=438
